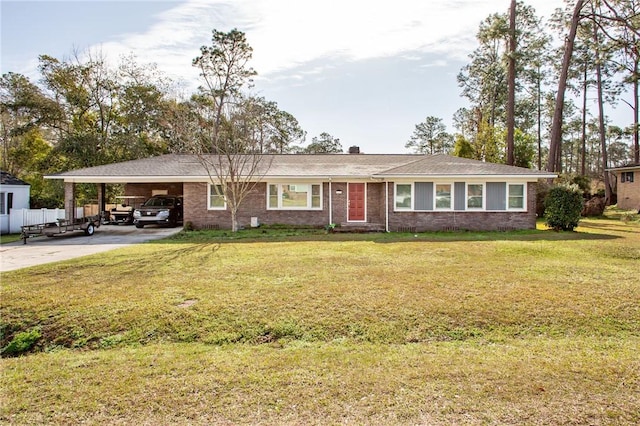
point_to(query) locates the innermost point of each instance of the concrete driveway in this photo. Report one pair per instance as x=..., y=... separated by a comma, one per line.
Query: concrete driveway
x=42, y=250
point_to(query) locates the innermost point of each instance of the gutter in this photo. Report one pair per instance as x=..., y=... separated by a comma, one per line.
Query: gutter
x=459, y=176
x=624, y=168
x=386, y=206
x=330, y=203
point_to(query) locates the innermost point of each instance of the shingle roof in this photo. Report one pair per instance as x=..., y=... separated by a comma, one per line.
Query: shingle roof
x=309, y=165
x=9, y=179
x=446, y=165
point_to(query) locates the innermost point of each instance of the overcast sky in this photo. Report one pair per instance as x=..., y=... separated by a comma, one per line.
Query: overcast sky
x=364, y=71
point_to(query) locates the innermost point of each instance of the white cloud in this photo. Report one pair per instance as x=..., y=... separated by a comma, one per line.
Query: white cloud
x=288, y=34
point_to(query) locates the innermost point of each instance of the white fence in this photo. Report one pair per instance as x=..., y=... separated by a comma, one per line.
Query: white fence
x=17, y=218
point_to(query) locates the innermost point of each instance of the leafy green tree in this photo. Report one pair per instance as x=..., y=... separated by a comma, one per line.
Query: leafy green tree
x=513, y=43
x=430, y=137
x=272, y=130
x=287, y=133
x=142, y=103
x=23, y=109
x=323, y=144
x=627, y=38
x=524, y=149
x=86, y=92
x=32, y=158
x=465, y=122
x=488, y=146
x=462, y=147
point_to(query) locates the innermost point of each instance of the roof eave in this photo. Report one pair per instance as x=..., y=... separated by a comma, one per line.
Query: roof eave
x=204, y=178
x=127, y=179
x=467, y=176
x=625, y=168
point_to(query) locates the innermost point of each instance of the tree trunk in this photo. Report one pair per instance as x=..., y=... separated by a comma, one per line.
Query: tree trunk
x=636, y=106
x=511, y=99
x=601, y=125
x=539, y=120
x=556, y=126
x=234, y=219
x=583, y=169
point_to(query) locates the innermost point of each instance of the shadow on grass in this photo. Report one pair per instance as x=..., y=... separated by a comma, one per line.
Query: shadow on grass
x=617, y=227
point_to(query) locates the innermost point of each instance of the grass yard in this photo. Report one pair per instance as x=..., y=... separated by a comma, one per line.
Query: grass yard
x=9, y=238
x=267, y=327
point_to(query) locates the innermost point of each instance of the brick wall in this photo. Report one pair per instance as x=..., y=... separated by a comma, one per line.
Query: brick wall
x=473, y=221
x=145, y=189
x=196, y=212
x=629, y=193
x=70, y=200
x=375, y=203
x=339, y=202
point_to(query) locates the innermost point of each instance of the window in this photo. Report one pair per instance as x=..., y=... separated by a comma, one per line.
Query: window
x=443, y=196
x=273, y=196
x=626, y=177
x=516, y=197
x=216, y=198
x=315, y=196
x=403, y=196
x=474, y=196
x=3, y=208
x=299, y=196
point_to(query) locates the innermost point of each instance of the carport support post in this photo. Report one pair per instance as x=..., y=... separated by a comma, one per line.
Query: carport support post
x=70, y=201
x=101, y=198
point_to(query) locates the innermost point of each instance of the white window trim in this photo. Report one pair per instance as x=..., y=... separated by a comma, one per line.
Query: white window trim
x=435, y=195
x=395, y=194
x=309, y=196
x=466, y=197
x=209, y=206
x=524, y=198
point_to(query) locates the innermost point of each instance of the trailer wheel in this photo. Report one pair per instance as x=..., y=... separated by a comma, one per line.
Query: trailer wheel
x=90, y=230
x=139, y=225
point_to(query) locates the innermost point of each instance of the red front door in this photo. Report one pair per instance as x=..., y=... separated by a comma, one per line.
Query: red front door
x=357, y=199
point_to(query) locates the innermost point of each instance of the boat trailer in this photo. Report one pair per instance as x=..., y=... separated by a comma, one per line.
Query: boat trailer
x=62, y=226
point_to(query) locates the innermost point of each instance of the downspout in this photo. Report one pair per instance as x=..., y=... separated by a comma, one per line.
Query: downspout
x=330, y=203
x=386, y=207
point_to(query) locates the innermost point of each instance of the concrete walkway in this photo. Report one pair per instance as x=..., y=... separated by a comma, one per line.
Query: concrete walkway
x=41, y=250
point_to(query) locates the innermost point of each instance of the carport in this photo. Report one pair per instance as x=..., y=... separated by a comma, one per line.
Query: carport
x=131, y=188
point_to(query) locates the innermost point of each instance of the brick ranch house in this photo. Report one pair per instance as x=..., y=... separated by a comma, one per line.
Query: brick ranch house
x=374, y=191
x=628, y=187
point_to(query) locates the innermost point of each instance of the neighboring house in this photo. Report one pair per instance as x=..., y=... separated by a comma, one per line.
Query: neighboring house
x=370, y=191
x=14, y=194
x=628, y=187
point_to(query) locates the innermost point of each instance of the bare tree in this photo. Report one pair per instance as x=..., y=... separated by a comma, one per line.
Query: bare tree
x=227, y=148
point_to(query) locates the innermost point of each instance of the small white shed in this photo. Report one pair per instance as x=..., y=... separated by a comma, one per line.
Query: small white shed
x=14, y=194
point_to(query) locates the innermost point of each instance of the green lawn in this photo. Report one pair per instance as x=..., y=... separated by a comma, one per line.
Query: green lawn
x=9, y=238
x=298, y=327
